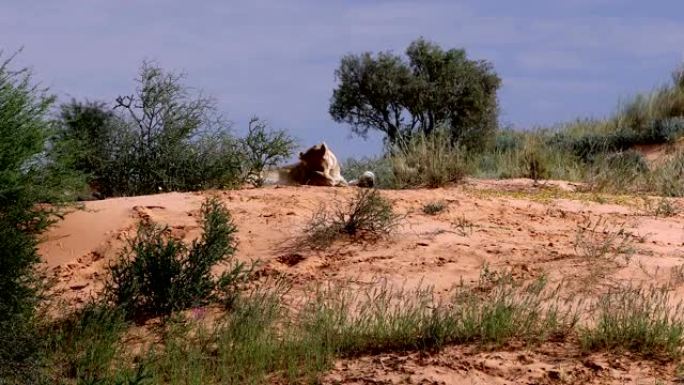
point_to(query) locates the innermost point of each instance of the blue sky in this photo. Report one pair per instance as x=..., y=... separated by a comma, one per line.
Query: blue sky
x=276, y=59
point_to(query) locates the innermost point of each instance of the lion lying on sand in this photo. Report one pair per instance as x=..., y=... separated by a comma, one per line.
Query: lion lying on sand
x=317, y=166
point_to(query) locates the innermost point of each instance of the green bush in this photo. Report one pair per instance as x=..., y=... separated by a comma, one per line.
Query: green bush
x=162, y=138
x=82, y=140
x=157, y=274
x=262, y=148
x=28, y=176
x=665, y=130
x=162, y=143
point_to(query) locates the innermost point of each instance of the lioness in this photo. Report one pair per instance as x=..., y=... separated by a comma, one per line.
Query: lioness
x=317, y=166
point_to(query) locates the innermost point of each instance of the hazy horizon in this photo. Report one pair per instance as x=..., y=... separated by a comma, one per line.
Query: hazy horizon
x=558, y=62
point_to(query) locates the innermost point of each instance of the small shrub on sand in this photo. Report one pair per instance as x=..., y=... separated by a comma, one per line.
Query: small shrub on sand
x=661, y=207
x=367, y=215
x=463, y=225
x=434, y=208
x=157, y=274
x=596, y=239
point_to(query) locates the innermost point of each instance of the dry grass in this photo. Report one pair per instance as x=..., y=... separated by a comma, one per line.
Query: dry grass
x=367, y=215
x=434, y=208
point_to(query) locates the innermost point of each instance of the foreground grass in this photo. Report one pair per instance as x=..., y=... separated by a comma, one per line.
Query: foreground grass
x=639, y=320
x=260, y=339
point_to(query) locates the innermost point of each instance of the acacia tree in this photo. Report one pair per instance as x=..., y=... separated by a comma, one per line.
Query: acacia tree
x=433, y=88
x=162, y=118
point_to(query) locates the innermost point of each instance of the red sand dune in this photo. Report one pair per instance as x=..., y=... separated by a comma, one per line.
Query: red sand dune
x=509, y=225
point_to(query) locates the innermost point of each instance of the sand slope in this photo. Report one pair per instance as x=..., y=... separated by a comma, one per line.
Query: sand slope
x=506, y=225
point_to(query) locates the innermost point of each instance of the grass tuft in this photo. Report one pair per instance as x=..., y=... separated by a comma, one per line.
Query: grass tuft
x=642, y=321
x=427, y=161
x=597, y=240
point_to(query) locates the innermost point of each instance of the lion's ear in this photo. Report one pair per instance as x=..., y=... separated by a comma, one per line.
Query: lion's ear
x=324, y=146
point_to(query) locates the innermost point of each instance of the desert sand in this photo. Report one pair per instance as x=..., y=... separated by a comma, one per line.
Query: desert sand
x=514, y=225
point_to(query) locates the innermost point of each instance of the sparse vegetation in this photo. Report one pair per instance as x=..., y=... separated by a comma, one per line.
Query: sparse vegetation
x=661, y=207
x=596, y=240
x=644, y=321
x=463, y=225
x=262, y=339
x=368, y=215
x=434, y=208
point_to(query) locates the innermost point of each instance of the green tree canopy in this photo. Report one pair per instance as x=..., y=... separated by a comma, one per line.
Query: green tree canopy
x=433, y=88
x=83, y=139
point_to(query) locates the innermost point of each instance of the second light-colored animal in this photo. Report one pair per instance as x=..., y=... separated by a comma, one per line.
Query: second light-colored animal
x=367, y=179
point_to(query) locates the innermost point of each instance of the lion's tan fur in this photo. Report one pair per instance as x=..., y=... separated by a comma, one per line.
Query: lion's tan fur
x=317, y=166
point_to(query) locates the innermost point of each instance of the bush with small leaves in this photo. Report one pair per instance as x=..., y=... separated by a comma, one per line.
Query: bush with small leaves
x=262, y=148
x=157, y=274
x=29, y=177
